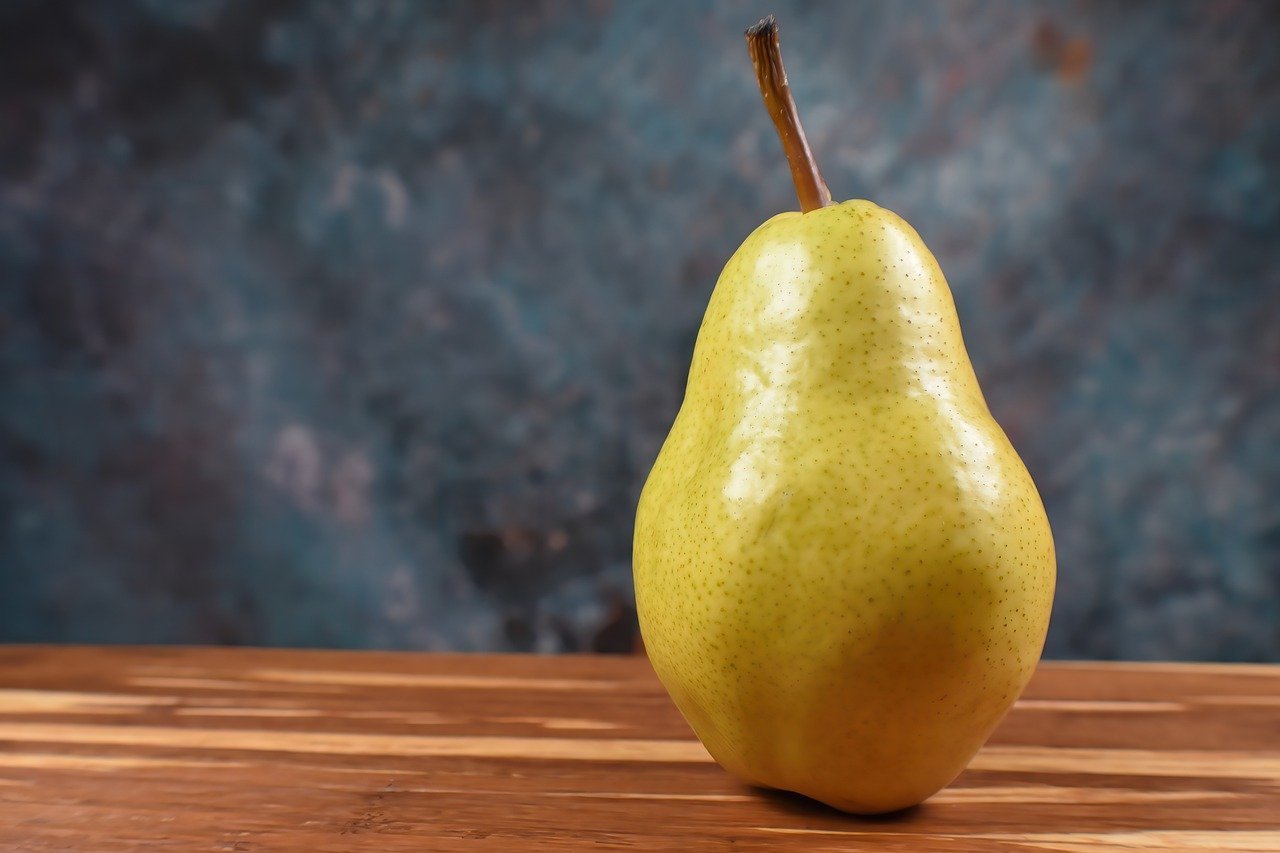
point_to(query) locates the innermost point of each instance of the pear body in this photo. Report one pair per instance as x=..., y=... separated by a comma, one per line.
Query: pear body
x=843, y=570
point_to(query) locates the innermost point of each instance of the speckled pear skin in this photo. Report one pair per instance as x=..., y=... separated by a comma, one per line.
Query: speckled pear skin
x=843, y=570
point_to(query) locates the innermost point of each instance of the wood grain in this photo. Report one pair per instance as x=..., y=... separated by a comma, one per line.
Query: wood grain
x=167, y=748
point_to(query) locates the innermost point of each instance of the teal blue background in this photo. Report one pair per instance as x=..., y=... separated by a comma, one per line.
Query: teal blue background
x=359, y=324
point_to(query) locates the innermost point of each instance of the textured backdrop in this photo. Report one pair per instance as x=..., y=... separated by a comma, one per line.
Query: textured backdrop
x=359, y=324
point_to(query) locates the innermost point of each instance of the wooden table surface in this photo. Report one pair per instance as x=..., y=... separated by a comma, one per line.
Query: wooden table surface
x=234, y=749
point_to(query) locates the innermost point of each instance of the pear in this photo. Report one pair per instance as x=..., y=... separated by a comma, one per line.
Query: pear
x=843, y=570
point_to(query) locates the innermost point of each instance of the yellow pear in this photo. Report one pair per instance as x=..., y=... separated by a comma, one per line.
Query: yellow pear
x=843, y=570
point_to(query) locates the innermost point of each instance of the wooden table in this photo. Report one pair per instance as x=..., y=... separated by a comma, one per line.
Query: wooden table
x=234, y=749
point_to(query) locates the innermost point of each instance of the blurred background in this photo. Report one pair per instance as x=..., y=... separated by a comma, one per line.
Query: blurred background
x=360, y=323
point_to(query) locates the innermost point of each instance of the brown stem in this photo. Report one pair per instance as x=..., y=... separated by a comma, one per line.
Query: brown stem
x=762, y=44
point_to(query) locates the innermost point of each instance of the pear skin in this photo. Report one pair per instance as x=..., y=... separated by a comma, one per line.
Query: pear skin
x=843, y=570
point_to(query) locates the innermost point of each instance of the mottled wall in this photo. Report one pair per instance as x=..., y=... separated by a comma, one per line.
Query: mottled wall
x=359, y=324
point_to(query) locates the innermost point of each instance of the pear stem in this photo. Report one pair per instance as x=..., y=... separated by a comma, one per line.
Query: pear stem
x=762, y=44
